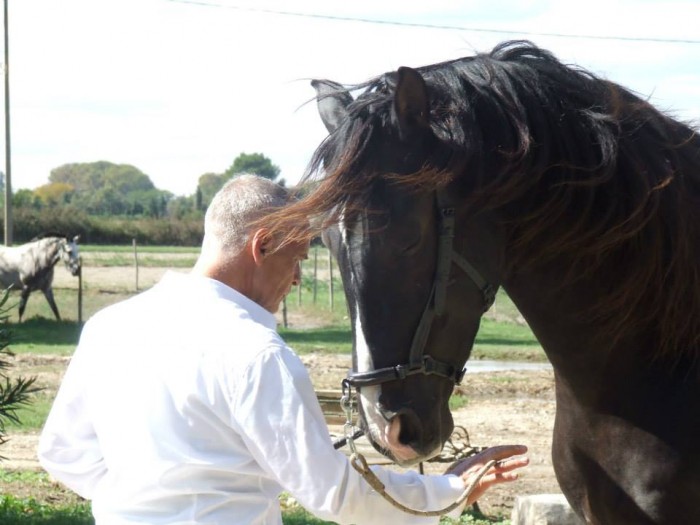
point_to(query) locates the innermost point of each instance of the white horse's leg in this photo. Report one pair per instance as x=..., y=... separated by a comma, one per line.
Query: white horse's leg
x=23, y=301
x=48, y=293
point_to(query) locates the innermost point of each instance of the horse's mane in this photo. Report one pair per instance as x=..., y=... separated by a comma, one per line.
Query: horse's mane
x=48, y=235
x=582, y=169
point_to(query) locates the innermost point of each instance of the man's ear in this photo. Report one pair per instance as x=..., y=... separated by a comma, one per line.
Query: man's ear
x=259, y=245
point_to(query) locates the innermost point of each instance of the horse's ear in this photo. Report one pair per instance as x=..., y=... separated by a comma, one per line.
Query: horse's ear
x=332, y=99
x=411, y=105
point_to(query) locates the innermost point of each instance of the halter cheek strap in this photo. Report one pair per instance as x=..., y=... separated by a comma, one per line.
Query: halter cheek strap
x=418, y=362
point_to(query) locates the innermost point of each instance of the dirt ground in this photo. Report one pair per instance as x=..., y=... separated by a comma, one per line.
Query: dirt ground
x=502, y=408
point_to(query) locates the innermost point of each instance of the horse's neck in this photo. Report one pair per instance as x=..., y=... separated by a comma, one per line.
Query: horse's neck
x=42, y=256
x=556, y=316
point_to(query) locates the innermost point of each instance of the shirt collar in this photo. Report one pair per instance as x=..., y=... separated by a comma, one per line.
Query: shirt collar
x=223, y=291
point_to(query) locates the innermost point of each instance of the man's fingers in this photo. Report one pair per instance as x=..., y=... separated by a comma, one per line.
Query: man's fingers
x=505, y=465
x=489, y=480
x=497, y=477
x=507, y=459
x=500, y=452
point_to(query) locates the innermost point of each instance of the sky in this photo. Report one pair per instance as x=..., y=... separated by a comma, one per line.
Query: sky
x=179, y=88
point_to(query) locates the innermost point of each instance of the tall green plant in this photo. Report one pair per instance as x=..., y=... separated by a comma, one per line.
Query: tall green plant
x=13, y=393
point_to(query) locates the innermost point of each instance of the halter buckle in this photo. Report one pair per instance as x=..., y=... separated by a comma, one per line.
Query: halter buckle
x=402, y=371
x=459, y=376
x=489, y=293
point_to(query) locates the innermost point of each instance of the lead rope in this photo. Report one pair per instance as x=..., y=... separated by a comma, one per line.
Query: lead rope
x=359, y=463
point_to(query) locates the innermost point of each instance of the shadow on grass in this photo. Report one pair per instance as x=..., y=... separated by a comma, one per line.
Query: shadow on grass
x=343, y=336
x=499, y=341
x=42, y=331
x=328, y=336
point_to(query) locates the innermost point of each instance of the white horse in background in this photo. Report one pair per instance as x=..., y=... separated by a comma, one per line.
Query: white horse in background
x=29, y=267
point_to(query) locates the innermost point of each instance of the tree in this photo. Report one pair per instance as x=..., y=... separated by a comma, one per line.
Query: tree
x=181, y=207
x=24, y=198
x=104, y=188
x=54, y=193
x=207, y=185
x=198, y=202
x=255, y=163
x=13, y=393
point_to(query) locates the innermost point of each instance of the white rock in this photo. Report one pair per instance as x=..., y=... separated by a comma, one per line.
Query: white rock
x=543, y=509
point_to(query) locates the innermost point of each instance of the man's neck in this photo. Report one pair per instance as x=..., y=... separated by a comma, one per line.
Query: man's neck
x=235, y=273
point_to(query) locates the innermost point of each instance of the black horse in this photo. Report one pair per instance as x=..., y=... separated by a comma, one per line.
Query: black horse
x=577, y=197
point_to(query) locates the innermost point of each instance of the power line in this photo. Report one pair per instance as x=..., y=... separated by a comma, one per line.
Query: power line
x=436, y=26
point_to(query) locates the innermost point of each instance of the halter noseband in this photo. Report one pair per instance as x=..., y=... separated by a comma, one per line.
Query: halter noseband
x=418, y=362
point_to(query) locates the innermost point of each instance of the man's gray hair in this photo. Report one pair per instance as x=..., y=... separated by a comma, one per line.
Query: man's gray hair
x=236, y=206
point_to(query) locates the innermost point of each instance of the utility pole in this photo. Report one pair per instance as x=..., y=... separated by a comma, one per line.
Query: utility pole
x=8, y=167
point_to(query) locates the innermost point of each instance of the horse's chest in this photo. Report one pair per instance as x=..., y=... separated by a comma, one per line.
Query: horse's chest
x=618, y=468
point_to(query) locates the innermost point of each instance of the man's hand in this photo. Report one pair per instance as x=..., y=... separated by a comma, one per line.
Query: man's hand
x=501, y=472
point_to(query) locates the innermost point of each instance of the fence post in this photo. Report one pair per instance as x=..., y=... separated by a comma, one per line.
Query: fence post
x=80, y=292
x=284, y=311
x=330, y=279
x=136, y=264
x=315, y=271
x=301, y=282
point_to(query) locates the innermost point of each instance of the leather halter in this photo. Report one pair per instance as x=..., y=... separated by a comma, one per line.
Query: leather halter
x=418, y=362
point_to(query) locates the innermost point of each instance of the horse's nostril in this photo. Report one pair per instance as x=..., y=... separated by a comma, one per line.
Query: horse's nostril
x=410, y=433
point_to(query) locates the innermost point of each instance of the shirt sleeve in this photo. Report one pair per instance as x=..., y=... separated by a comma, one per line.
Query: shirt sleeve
x=276, y=411
x=68, y=447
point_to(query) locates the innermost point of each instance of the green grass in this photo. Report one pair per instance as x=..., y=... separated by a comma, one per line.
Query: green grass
x=457, y=401
x=506, y=341
x=20, y=510
x=332, y=340
x=94, y=299
x=33, y=416
x=28, y=511
x=128, y=248
x=39, y=335
x=148, y=256
x=75, y=511
x=495, y=333
x=144, y=261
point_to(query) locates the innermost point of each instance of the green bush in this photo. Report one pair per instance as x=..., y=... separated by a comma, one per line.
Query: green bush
x=14, y=393
x=29, y=222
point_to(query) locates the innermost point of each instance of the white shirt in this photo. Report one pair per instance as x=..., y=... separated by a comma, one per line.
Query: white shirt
x=183, y=405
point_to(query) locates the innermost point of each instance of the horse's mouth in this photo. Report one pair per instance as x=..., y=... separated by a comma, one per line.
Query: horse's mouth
x=383, y=433
x=404, y=456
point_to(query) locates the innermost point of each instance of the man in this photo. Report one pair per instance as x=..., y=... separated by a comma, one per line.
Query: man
x=183, y=405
